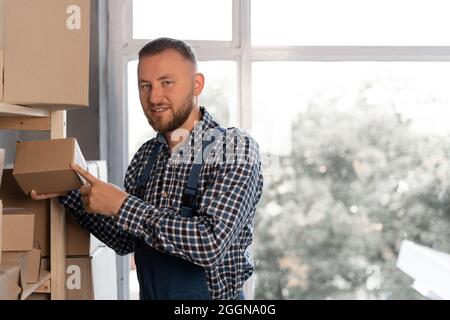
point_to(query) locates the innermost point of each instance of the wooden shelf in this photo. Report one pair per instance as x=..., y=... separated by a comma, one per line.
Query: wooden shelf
x=10, y=110
x=33, y=287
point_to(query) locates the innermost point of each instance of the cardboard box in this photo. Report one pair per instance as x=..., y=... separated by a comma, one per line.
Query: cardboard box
x=47, y=53
x=17, y=230
x=1, y=72
x=13, y=197
x=10, y=286
x=77, y=238
x=31, y=263
x=90, y=277
x=45, y=165
x=1, y=228
x=79, y=242
x=38, y=296
x=2, y=163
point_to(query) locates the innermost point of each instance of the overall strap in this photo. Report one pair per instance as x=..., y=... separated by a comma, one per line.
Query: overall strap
x=144, y=178
x=190, y=190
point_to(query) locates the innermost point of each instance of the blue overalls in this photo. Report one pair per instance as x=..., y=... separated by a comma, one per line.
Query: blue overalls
x=165, y=276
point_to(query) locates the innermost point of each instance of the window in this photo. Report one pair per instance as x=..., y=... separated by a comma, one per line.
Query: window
x=349, y=102
x=363, y=150
x=350, y=22
x=193, y=20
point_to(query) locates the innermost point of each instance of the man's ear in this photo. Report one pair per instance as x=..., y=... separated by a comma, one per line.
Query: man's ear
x=199, y=83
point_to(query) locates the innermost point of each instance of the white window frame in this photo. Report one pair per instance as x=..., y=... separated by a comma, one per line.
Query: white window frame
x=123, y=48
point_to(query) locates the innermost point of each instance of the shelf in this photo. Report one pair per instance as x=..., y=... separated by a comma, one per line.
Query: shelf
x=11, y=110
x=14, y=117
x=33, y=287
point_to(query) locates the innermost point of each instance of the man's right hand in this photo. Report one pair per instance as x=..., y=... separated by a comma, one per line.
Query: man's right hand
x=45, y=196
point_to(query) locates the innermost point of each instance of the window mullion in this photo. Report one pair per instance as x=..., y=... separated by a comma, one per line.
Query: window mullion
x=245, y=67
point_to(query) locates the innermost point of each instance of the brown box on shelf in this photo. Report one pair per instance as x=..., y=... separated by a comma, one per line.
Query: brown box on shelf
x=45, y=165
x=77, y=238
x=2, y=162
x=10, y=285
x=1, y=228
x=38, y=296
x=79, y=279
x=13, y=197
x=17, y=230
x=47, y=45
x=31, y=265
x=1, y=72
x=79, y=282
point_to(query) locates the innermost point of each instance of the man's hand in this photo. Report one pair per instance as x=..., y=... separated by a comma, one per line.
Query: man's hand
x=100, y=197
x=44, y=196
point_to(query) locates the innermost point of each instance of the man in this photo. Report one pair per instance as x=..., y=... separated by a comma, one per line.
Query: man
x=189, y=222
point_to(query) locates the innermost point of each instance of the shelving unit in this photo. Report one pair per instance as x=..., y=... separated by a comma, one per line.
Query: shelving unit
x=13, y=117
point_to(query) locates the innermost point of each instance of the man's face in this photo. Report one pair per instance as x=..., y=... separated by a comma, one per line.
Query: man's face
x=168, y=87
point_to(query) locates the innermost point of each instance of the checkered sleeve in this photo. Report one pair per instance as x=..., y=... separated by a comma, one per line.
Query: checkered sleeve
x=104, y=228
x=226, y=206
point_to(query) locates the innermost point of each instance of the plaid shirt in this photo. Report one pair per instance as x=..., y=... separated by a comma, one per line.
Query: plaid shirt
x=218, y=236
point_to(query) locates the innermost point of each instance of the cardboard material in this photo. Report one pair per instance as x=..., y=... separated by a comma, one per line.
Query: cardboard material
x=1, y=228
x=17, y=230
x=77, y=238
x=79, y=242
x=13, y=197
x=1, y=72
x=47, y=45
x=34, y=265
x=79, y=279
x=38, y=296
x=2, y=163
x=10, y=287
x=44, y=165
x=90, y=277
x=31, y=265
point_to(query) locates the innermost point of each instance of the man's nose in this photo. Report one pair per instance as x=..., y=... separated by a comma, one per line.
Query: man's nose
x=155, y=96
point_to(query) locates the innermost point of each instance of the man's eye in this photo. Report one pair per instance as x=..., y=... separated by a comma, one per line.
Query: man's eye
x=145, y=86
x=166, y=83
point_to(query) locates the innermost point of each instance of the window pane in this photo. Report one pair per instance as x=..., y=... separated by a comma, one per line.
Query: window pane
x=220, y=93
x=363, y=164
x=351, y=22
x=218, y=96
x=189, y=20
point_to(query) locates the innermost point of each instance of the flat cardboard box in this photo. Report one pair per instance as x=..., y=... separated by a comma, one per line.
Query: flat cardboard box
x=13, y=197
x=17, y=230
x=44, y=165
x=31, y=265
x=10, y=286
x=47, y=45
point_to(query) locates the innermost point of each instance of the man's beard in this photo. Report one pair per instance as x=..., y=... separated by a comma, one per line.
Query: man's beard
x=178, y=117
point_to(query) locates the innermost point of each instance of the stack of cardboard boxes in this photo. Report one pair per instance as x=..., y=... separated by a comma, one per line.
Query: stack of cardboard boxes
x=44, y=63
x=90, y=265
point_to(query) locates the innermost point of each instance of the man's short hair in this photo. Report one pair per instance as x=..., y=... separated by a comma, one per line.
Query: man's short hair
x=159, y=45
